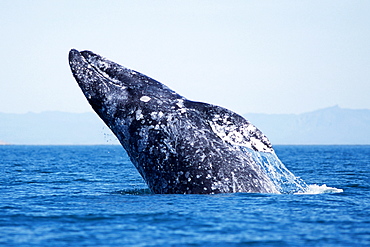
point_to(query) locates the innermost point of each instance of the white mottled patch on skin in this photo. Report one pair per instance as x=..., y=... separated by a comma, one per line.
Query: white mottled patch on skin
x=139, y=115
x=180, y=103
x=233, y=181
x=257, y=143
x=156, y=115
x=239, y=135
x=145, y=98
x=120, y=86
x=251, y=128
x=202, y=157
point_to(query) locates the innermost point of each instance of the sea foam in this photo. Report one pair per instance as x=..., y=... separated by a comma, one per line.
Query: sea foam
x=313, y=189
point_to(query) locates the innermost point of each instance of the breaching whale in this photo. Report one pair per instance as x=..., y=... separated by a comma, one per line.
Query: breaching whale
x=179, y=145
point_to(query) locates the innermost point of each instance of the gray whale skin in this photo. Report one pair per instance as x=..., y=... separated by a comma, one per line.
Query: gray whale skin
x=178, y=146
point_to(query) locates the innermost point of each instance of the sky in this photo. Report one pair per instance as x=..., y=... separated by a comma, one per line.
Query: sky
x=248, y=56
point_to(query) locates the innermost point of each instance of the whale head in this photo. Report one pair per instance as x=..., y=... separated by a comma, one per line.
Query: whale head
x=112, y=89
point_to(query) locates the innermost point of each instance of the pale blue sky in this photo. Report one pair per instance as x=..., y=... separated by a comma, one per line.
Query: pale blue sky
x=248, y=56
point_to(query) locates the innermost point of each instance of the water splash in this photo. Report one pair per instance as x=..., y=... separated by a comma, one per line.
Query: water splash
x=314, y=189
x=284, y=181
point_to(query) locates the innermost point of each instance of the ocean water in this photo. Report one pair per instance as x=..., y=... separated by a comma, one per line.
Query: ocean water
x=93, y=196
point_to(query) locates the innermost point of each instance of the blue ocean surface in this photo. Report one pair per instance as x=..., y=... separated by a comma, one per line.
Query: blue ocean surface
x=93, y=196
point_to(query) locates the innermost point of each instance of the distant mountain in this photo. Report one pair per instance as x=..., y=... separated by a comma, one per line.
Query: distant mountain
x=332, y=125
x=54, y=128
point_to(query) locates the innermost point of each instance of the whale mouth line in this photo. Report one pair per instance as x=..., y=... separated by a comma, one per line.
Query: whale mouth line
x=94, y=66
x=98, y=64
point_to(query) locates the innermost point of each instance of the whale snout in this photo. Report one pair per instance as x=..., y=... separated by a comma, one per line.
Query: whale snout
x=98, y=66
x=96, y=63
x=107, y=68
x=92, y=73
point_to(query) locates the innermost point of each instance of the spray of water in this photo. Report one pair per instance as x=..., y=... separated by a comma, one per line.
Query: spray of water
x=314, y=189
x=285, y=181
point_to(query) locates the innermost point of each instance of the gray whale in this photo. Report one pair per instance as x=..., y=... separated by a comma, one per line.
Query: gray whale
x=177, y=145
